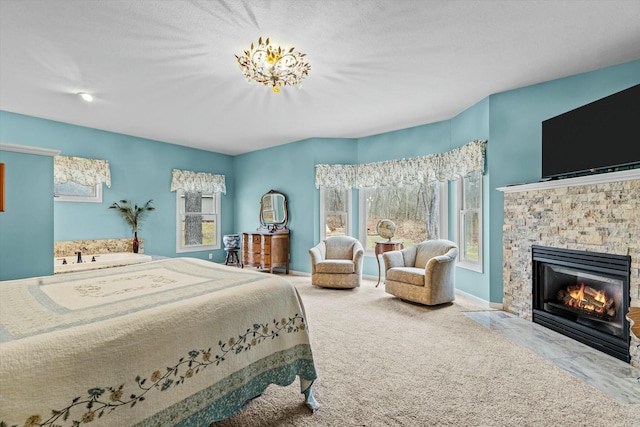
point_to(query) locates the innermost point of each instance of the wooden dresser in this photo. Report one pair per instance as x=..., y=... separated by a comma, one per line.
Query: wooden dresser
x=266, y=250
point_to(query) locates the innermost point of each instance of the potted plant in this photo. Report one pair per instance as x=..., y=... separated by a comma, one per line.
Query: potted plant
x=133, y=215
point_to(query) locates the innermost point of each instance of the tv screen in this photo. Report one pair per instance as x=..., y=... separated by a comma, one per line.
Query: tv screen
x=601, y=136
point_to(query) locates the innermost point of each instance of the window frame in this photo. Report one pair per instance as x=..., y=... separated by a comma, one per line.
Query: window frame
x=218, y=220
x=97, y=198
x=444, y=215
x=323, y=213
x=461, y=212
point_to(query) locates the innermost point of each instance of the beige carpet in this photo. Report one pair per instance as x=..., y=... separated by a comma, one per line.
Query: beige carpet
x=384, y=362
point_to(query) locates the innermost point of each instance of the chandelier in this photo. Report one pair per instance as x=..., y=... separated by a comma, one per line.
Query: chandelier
x=273, y=66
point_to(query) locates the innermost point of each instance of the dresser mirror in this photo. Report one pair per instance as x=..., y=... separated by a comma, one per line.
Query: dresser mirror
x=273, y=212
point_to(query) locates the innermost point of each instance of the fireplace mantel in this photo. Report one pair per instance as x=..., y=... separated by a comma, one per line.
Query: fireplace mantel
x=600, y=178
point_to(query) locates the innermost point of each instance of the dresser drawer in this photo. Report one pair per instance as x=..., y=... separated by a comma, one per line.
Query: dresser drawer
x=257, y=248
x=254, y=239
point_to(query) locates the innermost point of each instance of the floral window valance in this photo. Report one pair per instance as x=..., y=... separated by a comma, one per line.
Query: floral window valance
x=447, y=166
x=198, y=181
x=88, y=172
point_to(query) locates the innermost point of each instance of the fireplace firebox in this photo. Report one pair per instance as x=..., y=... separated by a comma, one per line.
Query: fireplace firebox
x=583, y=295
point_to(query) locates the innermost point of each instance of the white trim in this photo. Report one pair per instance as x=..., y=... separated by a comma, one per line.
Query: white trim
x=362, y=221
x=444, y=209
x=477, y=300
x=27, y=149
x=601, y=178
x=461, y=262
x=497, y=305
x=323, y=213
x=323, y=216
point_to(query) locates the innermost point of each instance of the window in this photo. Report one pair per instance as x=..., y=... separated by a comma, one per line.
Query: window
x=469, y=224
x=419, y=212
x=71, y=191
x=335, y=212
x=198, y=221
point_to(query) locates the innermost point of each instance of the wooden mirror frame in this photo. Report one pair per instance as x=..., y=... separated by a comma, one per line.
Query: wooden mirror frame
x=274, y=226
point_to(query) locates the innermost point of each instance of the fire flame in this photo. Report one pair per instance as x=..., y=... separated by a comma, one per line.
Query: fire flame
x=579, y=301
x=578, y=295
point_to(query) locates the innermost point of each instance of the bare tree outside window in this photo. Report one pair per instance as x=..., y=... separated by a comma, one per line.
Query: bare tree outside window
x=193, y=218
x=415, y=209
x=336, y=211
x=197, y=221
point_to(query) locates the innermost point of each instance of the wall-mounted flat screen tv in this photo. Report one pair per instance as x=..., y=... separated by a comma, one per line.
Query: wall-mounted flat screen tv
x=598, y=137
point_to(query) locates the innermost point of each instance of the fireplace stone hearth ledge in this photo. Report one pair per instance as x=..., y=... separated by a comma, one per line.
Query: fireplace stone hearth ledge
x=597, y=213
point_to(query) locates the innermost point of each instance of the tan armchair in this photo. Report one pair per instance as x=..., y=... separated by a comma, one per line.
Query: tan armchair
x=424, y=273
x=337, y=262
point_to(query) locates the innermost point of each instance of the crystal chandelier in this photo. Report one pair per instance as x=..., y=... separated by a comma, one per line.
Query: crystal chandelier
x=273, y=66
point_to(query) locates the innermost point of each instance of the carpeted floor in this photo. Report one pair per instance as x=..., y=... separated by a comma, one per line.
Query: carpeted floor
x=385, y=362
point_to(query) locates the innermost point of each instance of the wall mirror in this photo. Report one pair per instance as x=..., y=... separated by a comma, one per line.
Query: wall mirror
x=273, y=211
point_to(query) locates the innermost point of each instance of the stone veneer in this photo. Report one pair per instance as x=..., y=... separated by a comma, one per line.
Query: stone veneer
x=598, y=217
x=94, y=247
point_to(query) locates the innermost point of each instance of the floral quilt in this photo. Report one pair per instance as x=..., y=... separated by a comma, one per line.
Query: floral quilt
x=177, y=341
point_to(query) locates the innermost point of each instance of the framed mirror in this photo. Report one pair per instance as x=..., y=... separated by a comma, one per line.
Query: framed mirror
x=273, y=211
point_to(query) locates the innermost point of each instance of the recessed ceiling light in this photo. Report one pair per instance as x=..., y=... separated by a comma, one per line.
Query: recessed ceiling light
x=86, y=96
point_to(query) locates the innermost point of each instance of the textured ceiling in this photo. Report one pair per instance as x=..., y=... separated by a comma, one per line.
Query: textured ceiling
x=165, y=69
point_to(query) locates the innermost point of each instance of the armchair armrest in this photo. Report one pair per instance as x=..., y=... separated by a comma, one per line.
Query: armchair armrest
x=358, y=257
x=441, y=268
x=392, y=259
x=317, y=254
x=450, y=256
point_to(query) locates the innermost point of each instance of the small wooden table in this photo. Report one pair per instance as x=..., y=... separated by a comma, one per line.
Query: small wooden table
x=386, y=246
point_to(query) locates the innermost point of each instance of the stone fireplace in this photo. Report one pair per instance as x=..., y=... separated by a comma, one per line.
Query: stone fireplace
x=598, y=214
x=583, y=295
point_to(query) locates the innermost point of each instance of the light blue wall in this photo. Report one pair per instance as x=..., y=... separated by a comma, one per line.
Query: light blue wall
x=26, y=229
x=290, y=169
x=140, y=170
x=510, y=121
x=514, y=151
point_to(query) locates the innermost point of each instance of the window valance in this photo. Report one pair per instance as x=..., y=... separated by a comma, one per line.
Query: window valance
x=447, y=166
x=336, y=176
x=83, y=171
x=198, y=181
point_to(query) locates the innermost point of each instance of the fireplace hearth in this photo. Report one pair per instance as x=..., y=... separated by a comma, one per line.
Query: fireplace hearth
x=583, y=295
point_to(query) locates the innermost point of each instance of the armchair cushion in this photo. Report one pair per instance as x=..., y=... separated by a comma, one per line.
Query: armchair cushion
x=411, y=275
x=340, y=266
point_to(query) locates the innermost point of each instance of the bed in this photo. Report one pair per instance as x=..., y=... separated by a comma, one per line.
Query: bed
x=174, y=341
